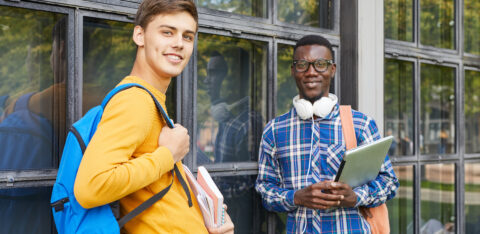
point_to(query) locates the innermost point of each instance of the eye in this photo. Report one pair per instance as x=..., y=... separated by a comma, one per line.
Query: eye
x=188, y=37
x=167, y=33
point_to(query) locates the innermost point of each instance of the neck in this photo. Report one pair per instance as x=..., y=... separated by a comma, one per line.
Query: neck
x=143, y=71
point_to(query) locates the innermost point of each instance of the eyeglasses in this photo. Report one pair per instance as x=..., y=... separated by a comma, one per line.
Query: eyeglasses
x=320, y=65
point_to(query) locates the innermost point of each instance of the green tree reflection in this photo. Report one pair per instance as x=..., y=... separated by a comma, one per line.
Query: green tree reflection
x=437, y=23
x=398, y=16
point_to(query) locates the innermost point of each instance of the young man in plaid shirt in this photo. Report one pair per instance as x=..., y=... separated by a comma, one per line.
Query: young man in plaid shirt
x=301, y=151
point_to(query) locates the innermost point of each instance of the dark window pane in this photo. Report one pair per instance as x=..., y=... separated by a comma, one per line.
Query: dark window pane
x=286, y=86
x=230, y=98
x=257, y=8
x=437, y=196
x=437, y=23
x=309, y=13
x=399, y=19
x=472, y=112
x=33, y=71
x=471, y=24
x=399, y=106
x=244, y=203
x=472, y=198
x=437, y=109
x=108, y=56
x=400, y=208
x=26, y=210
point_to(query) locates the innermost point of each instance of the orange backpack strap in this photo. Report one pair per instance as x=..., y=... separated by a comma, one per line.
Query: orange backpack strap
x=347, y=126
x=379, y=223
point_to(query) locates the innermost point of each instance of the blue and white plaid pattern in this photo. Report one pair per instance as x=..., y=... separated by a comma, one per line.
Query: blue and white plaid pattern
x=283, y=164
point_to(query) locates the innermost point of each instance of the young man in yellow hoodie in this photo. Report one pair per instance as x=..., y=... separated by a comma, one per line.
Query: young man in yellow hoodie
x=132, y=152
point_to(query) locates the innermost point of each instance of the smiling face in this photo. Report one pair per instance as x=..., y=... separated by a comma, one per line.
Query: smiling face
x=166, y=43
x=313, y=85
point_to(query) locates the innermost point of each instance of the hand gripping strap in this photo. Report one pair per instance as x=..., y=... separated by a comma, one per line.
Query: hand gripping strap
x=145, y=205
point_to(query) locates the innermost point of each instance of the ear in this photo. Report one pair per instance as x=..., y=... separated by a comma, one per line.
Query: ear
x=334, y=69
x=292, y=71
x=139, y=36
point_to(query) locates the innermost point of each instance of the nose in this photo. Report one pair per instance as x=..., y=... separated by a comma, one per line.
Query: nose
x=178, y=42
x=311, y=71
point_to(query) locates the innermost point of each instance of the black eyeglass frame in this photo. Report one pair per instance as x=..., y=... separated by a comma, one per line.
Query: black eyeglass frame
x=329, y=63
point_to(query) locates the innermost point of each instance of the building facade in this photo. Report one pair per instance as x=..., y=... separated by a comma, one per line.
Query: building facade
x=413, y=65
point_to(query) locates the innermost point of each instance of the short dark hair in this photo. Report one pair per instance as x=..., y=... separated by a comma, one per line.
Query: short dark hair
x=314, y=40
x=150, y=8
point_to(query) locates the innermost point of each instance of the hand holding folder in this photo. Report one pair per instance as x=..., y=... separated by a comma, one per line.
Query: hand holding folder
x=209, y=197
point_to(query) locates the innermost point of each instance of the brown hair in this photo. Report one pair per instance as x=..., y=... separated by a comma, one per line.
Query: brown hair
x=150, y=8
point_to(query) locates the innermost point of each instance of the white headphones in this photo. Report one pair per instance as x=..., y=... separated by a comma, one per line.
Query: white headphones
x=321, y=108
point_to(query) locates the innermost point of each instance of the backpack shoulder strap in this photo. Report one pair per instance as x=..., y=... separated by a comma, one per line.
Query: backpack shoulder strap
x=139, y=209
x=347, y=126
x=22, y=102
x=130, y=85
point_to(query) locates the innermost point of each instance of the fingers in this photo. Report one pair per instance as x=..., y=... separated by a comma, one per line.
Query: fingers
x=226, y=228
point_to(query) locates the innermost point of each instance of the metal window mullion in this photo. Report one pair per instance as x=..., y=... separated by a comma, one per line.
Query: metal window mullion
x=272, y=79
x=186, y=105
x=417, y=174
x=460, y=115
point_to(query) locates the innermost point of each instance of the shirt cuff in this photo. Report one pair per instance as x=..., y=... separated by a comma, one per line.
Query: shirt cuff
x=361, y=196
x=289, y=201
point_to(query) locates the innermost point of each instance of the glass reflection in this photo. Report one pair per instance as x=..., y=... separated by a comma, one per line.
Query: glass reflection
x=108, y=56
x=472, y=111
x=437, y=196
x=437, y=109
x=437, y=23
x=307, y=12
x=230, y=98
x=472, y=198
x=33, y=71
x=400, y=208
x=471, y=24
x=26, y=210
x=399, y=105
x=244, y=203
x=257, y=8
x=398, y=19
x=286, y=86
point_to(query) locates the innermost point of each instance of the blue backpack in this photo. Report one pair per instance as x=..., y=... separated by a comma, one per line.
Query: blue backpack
x=69, y=215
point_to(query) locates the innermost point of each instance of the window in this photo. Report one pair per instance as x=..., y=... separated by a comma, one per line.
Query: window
x=437, y=109
x=472, y=193
x=33, y=76
x=257, y=8
x=399, y=106
x=230, y=104
x=310, y=13
x=471, y=24
x=472, y=111
x=398, y=19
x=400, y=208
x=437, y=195
x=437, y=23
x=285, y=82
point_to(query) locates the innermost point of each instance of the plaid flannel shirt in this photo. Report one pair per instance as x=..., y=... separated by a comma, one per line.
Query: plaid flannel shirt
x=285, y=152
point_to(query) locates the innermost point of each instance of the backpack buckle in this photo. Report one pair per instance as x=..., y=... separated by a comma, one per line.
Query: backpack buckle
x=59, y=205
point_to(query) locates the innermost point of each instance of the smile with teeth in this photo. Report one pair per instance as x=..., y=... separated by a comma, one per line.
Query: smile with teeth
x=174, y=58
x=312, y=84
